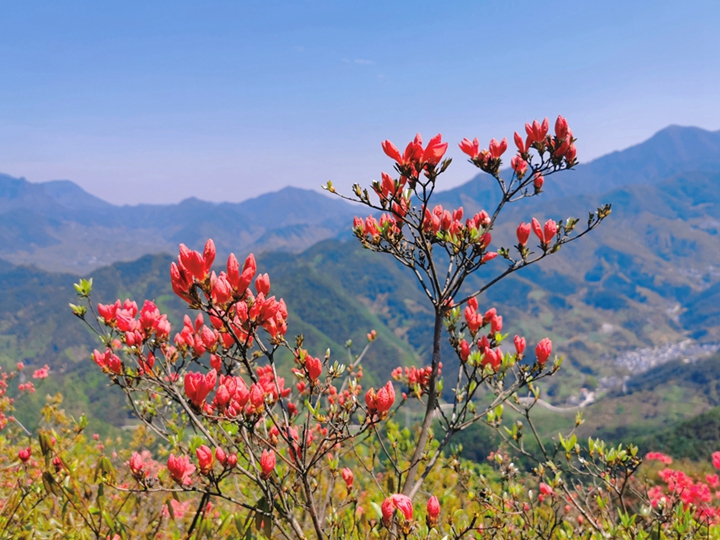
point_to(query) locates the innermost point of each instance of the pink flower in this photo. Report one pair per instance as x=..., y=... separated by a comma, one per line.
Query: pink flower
x=348, y=477
x=657, y=456
x=198, y=266
x=41, y=373
x=464, y=350
x=178, y=509
x=262, y=284
x=414, y=154
x=497, y=149
x=716, y=460
x=537, y=132
x=198, y=386
x=396, y=502
x=180, y=469
x=137, y=465
x=205, y=458
x=550, y=230
x=472, y=149
x=519, y=165
x=545, y=491
x=382, y=400
x=538, y=182
x=543, y=351
x=561, y=128
x=221, y=456
x=435, y=150
x=108, y=361
x=267, y=463
x=546, y=233
x=24, y=454
x=523, y=233
x=314, y=367
x=521, y=146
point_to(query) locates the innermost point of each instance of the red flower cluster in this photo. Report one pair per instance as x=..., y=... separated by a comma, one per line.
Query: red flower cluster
x=561, y=146
x=658, y=456
x=415, y=379
x=239, y=312
x=198, y=386
x=181, y=469
x=395, y=502
x=683, y=488
x=487, y=345
x=136, y=327
x=416, y=158
x=546, y=233
x=379, y=403
x=197, y=339
x=108, y=361
x=476, y=320
x=487, y=160
x=391, y=193
x=233, y=397
x=438, y=223
x=41, y=373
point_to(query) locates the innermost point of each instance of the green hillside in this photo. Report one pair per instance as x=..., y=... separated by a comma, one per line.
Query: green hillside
x=647, y=279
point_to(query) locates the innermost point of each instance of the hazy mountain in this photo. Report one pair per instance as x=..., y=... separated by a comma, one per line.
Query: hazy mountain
x=56, y=225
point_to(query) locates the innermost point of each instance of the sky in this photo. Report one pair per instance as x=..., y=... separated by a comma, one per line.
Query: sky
x=154, y=102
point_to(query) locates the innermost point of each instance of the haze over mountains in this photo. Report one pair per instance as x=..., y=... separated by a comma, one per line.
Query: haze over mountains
x=57, y=225
x=642, y=289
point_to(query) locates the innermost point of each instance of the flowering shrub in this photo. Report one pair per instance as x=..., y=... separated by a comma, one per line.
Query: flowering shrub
x=238, y=449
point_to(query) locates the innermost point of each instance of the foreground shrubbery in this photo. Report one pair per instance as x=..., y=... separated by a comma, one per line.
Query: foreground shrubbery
x=227, y=447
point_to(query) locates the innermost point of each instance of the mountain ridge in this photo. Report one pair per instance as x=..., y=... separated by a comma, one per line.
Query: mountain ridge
x=57, y=225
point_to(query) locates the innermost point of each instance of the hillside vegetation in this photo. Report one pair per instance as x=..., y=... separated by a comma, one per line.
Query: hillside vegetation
x=648, y=278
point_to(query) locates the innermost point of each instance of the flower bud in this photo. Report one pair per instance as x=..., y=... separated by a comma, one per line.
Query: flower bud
x=267, y=463
x=433, y=511
x=348, y=477
x=221, y=456
x=543, y=351
x=24, y=454
x=523, y=233
x=205, y=459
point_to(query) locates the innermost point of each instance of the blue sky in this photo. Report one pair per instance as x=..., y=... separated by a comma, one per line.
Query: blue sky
x=159, y=101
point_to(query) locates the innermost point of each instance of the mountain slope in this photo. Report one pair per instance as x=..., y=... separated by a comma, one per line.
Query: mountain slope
x=56, y=225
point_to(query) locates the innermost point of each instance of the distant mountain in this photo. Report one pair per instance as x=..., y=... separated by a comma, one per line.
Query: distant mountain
x=56, y=225
x=673, y=150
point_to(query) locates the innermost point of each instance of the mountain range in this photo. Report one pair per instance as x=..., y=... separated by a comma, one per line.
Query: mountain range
x=636, y=300
x=56, y=225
